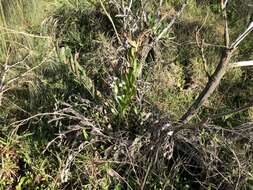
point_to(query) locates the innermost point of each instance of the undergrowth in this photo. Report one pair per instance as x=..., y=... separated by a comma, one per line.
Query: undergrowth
x=85, y=103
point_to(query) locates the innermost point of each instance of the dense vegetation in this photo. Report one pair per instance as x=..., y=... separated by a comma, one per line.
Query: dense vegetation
x=130, y=94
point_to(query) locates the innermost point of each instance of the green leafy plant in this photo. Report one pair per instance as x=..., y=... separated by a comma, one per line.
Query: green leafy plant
x=126, y=88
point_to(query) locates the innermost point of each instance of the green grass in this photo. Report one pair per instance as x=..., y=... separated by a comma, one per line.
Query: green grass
x=75, y=113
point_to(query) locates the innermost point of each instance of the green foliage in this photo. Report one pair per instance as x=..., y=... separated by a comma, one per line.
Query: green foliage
x=125, y=89
x=80, y=111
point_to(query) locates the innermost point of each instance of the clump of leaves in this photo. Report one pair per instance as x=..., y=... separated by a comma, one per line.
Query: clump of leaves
x=125, y=89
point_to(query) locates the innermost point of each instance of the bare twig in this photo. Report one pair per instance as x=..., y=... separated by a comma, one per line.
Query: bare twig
x=239, y=168
x=212, y=117
x=210, y=86
x=130, y=5
x=64, y=174
x=242, y=64
x=110, y=18
x=115, y=174
x=201, y=47
x=242, y=36
x=226, y=32
x=148, y=46
x=167, y=28
x=241, y=109
x=3, y=76
x=8, y=31
x=23, y=74
x=146, y=175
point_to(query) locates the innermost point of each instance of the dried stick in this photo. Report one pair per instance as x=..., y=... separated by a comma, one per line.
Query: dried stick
x=200, y=43
x=166, y=29
x=148, y=46
x=242, y=64
x=212, y=117
x=220, y=71
x=3, y=77
x=110, y=18
x=210, y=86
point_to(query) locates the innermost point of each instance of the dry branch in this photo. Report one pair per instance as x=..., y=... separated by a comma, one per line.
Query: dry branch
x=110, y=18
x=200, y=44
x=242, y=64
x=210, y=86
x=216, y=77
x=167, y=28
x=150, y=45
